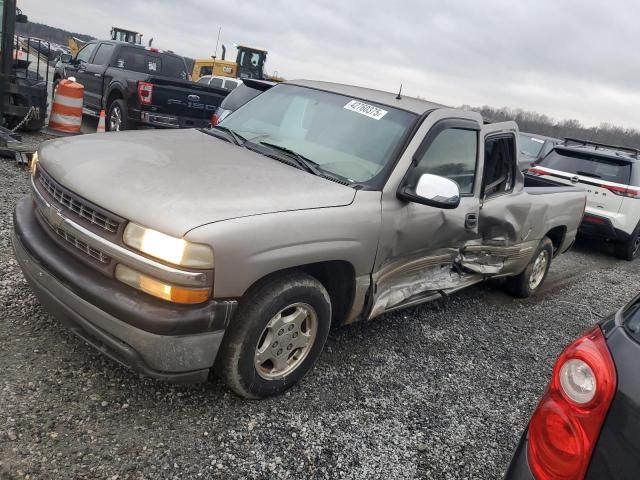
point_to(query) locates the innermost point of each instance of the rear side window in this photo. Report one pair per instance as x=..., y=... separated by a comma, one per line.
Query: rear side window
x=230, y=84
x=579, y=163
x=152, y=63
x=216, y=82
x=632, y=320
x=103, y=55
x=240, y=95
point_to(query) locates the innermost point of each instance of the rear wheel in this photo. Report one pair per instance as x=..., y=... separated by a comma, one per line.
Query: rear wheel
x=276, y=336
x=630, y=249
x=532, y=278
x=117, y=120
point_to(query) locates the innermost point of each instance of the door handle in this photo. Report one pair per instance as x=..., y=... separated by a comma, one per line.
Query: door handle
x=97, y=74
x=471, y=220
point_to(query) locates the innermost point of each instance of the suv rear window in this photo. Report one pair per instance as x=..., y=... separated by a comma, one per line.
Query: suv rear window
x=153, y=63
x=238, y=97
x=579, y=163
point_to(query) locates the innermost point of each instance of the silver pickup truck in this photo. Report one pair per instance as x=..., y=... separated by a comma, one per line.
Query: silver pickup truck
x=234, y=249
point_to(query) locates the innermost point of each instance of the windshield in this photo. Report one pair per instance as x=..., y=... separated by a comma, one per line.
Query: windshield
x=530, y=145
x=611, y=170
x=344, y=136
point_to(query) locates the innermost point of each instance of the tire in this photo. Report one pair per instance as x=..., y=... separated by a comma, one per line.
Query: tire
x=117, y=112
x=250, y=361
x=630, y=249
x=524, y=285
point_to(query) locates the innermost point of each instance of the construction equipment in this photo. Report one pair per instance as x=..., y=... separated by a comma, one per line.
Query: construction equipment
x=124, y=35
x=249, y=64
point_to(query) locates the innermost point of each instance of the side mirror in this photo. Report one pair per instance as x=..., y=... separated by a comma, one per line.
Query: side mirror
x=432, y=190
x=66, y=58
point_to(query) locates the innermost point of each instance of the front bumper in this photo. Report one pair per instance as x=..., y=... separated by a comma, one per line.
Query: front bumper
x=156, y=338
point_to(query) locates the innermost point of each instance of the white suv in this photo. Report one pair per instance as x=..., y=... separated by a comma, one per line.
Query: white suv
x=611, y=176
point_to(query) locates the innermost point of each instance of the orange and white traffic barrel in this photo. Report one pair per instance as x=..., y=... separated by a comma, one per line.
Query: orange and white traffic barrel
x=66, y=111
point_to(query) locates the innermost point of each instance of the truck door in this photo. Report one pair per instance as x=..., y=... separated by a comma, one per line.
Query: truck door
x=421, y=245
x=93, y=76
x=78, y=66
x=505, y=208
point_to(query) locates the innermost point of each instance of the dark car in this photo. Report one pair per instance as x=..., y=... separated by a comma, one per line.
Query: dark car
x=247, y=90
x=587, y=424
x=137, y=85
x=535, y=147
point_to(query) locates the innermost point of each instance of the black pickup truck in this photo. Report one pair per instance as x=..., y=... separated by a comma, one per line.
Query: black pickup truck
x=137, y=85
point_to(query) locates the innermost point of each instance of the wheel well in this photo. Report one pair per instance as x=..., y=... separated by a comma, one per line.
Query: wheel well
x=338, y=277
x=556, y=235
x=113, y=95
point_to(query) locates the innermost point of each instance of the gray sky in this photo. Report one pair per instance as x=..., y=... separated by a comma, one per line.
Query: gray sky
x=566, y=58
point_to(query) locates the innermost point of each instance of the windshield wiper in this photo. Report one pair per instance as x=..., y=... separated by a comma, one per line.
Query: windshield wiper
x=301, y=161
x=237, y=138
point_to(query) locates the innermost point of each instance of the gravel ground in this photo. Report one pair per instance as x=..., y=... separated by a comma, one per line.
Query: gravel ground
x=440, y=391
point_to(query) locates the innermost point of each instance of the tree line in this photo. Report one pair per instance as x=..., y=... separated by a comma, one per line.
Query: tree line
x=50, y=34
x=533, y=122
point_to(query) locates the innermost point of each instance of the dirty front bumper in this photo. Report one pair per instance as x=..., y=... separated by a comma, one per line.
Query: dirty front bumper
x=159, y=339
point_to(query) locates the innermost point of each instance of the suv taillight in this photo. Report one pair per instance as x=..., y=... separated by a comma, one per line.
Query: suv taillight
x=623, y=191
x=145, y=93
x=566, y=424
x=536, y=171
x=214, y=120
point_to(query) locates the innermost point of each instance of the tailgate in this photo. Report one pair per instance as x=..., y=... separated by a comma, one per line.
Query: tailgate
x=185, y=99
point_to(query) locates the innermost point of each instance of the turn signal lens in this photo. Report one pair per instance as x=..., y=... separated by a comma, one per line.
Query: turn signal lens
x=165, y=247
x=170, y=293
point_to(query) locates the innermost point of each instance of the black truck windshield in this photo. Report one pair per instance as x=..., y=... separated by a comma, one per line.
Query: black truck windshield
x=581, y=163
x=352, y=138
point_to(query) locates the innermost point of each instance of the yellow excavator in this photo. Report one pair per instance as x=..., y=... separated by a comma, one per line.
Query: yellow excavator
x=249, y=64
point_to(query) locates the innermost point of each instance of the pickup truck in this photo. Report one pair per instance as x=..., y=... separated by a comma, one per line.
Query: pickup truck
x=234, y=249
x=137, y=85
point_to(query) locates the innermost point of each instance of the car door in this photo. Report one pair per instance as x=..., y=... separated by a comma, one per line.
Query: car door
x=93, y=75
x=505, y=209
x=420, y=245
x=77, y=67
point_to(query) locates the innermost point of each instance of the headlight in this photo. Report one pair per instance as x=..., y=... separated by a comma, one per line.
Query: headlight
x=165, y=247
x=34, y=164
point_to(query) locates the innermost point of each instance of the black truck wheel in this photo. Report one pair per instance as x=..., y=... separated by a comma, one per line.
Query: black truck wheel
x=276, y=336
x=117, y=119
x=630, y=249
x=532, y=278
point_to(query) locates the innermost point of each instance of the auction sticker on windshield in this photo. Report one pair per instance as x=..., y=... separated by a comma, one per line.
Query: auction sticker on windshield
x=366, y=109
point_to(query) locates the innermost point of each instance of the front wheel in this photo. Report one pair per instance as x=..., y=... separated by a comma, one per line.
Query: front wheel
x=532, y=278
x=276, y=336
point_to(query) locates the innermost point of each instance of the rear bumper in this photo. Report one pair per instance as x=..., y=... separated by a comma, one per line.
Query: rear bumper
x=163, y=120
x=519, y=466
x=601, y=227
x=175, y=354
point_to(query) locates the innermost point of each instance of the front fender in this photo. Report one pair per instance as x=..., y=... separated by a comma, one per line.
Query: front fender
x=249, y=248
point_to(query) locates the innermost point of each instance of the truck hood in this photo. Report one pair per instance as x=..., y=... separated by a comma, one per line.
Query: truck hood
x=176, y=180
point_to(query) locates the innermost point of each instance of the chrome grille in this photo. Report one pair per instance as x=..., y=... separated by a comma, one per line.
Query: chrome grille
x=83, y=247
x=77, y=206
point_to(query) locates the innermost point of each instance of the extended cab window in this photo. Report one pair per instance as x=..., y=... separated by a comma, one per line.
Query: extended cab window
x=85, y=54
x=103, y=55
x=216, y=82
x=584, y=164
x=499, y=165
x=452, y=154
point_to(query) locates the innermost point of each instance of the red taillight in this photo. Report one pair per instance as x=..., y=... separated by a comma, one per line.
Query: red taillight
x=623, y=191
x=537, y=171
x=594, y=219
x=214, y=120
x=566, y=424
x=145, y=93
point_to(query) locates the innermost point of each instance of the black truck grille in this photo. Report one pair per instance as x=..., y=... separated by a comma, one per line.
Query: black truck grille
x=77, y=205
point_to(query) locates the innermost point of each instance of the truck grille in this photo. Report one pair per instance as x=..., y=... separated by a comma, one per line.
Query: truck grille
x=76, y=204
x=83, y=247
